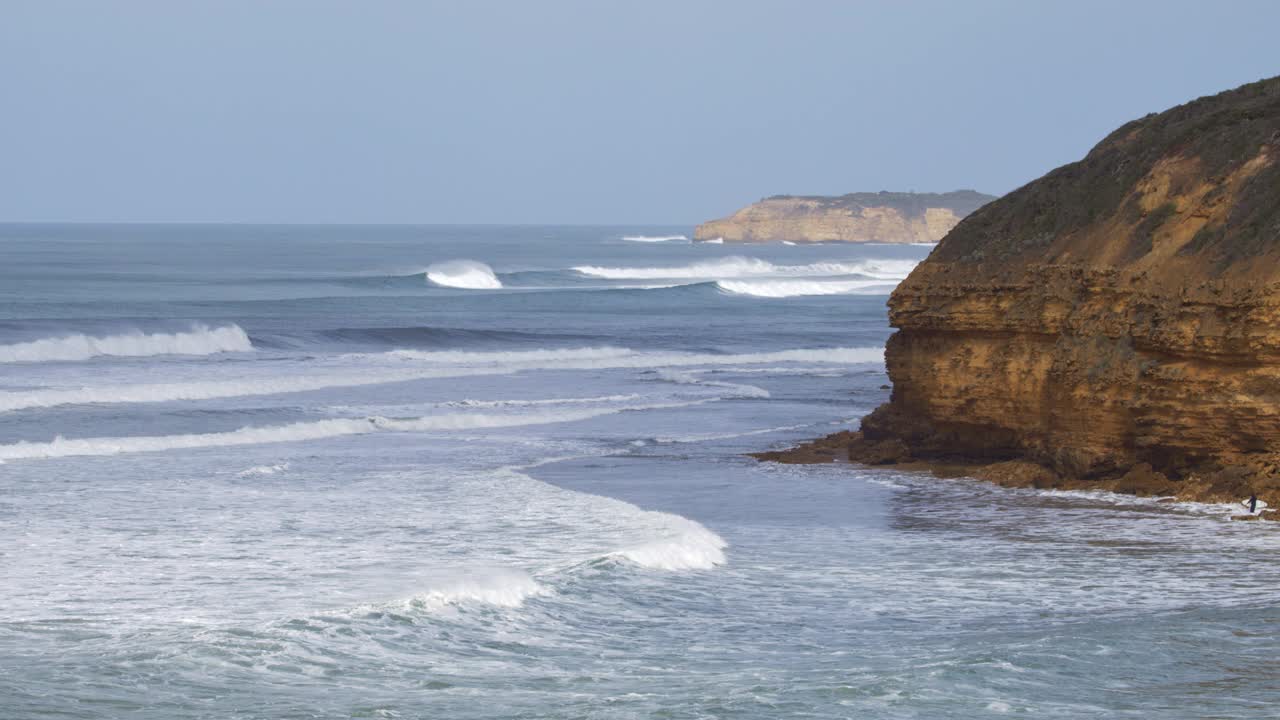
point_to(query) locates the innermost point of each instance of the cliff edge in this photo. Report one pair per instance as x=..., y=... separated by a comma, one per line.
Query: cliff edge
x=1116, y=321
x=857, y=217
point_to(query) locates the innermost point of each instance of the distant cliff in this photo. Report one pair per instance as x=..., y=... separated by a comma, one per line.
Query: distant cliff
x=1117, y=320
x=857, y=217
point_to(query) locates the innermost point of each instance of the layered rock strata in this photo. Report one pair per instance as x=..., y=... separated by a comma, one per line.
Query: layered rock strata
x=1114, y=323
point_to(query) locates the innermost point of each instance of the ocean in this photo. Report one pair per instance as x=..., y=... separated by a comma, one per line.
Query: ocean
x=499, y=472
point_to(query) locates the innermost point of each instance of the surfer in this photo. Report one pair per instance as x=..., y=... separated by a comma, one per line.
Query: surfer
x=1252, y=502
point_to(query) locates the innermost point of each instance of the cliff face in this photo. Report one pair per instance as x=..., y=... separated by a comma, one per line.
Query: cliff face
x=858, y=217
x=1120, y=312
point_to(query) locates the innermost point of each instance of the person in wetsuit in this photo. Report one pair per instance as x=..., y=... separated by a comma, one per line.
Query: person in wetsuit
x=1253, y=504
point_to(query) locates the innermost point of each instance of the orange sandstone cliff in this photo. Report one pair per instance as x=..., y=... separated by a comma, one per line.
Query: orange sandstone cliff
x=887, y=217
x=1116, y=321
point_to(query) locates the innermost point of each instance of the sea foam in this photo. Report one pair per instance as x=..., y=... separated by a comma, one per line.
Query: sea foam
x=199, y=340
x=507, y=589
x=465, y=274
x=684, y=545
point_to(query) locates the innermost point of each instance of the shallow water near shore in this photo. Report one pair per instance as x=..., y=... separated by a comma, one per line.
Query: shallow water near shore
x=276, y=472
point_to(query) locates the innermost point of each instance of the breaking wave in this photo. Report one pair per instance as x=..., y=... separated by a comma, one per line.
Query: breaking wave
x=465, y=274
x=796, y=288
x=655, y=238
x=686, y=545
x=200, y=340
x=747, y=267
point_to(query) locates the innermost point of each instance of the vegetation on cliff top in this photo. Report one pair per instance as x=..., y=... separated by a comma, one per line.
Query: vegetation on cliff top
x=910, y=204
x=1219, y=135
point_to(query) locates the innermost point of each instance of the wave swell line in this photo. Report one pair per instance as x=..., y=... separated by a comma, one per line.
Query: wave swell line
x=200, y=340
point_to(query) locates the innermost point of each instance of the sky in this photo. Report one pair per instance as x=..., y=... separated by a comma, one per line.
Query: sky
x=654, y=112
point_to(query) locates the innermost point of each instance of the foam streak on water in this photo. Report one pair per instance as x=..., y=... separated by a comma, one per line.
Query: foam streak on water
x=527, y=493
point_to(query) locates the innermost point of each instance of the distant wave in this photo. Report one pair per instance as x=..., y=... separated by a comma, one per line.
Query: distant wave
x=422, y=365
x=297, y=432
x=465, y=274
x=655, y=238
x=796, y=288
x=200, y=340
x=713, y=241
x=747, y=267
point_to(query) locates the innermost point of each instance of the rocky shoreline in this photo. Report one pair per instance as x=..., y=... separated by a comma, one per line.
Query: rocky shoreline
x=850, y=447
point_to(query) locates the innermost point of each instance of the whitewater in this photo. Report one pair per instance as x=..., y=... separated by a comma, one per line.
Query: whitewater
x=200, y=340
x=502, y=471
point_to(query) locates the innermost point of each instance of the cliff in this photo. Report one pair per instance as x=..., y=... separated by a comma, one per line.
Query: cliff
x=857, y=217
x=1116, y=322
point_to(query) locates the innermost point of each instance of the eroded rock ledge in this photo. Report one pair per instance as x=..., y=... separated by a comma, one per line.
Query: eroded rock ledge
x=1114, y=324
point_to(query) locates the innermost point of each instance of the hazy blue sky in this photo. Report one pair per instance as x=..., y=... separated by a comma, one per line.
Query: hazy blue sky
x=574, y=112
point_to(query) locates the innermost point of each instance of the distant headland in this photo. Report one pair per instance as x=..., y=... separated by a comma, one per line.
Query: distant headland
x=887, y=217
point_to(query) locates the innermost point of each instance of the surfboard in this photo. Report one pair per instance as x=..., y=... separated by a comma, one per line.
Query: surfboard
x=1261, y=506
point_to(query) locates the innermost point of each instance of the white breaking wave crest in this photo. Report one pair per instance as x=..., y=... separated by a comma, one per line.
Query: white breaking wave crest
x=747, y=267
x=796, y=288
x=686, y=545
x=465, y=274
x=655, y=238
x=714, y=241
x=200, y=340
x=440, y=365
x=302, y=431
